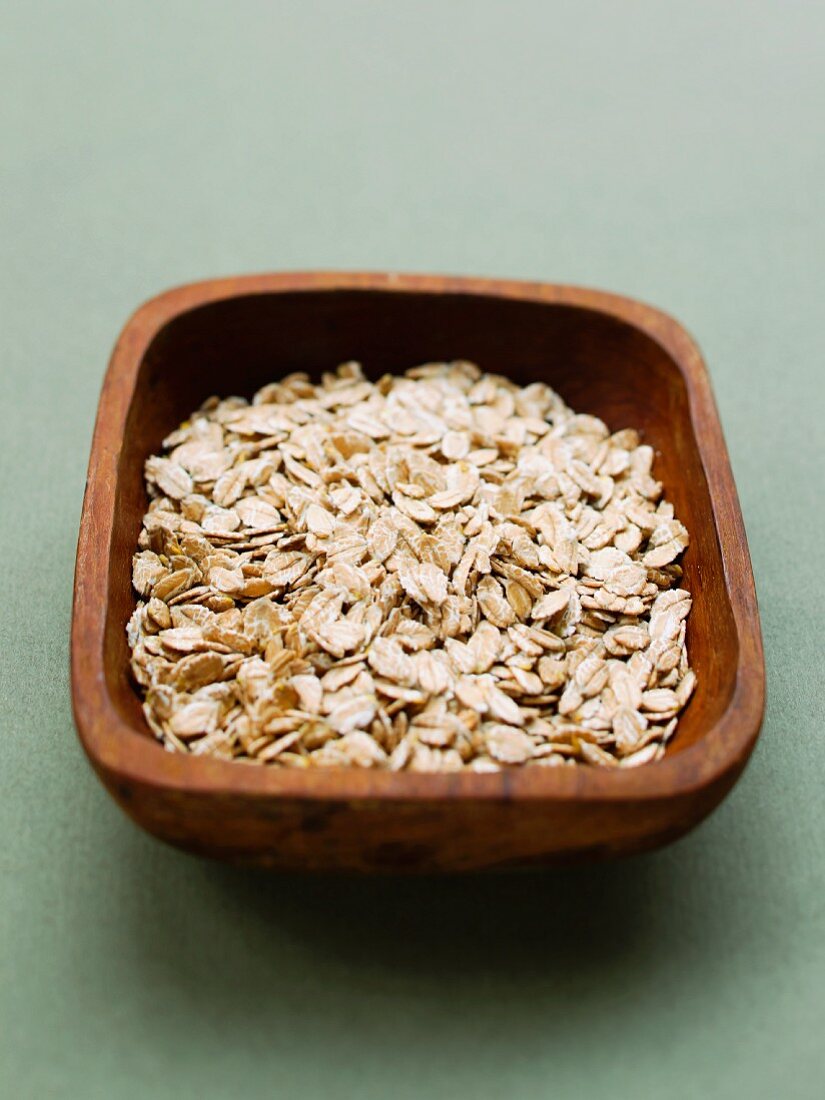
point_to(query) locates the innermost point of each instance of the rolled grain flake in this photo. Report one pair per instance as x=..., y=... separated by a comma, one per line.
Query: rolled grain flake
x=551, y=605
x=620, y=641
x=197, y=670
x=493, y=604
x=659, y=700
x=418, y=510
x=432, y=672
x=354, y=713
x=628, y=728
x=455, y=445
x=258, y=514
x=195, y=719
x=503, y=707
x=643, y=756
x=388, y=659
x=147, y=570
x=362, y=750
x=340, y=638
x=319, y=521
x=169, y=477
x=508, y=745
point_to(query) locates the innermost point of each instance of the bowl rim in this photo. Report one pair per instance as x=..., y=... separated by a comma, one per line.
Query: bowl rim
x=125, y=754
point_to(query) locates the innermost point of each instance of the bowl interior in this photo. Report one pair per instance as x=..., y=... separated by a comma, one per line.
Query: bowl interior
x=599, y=365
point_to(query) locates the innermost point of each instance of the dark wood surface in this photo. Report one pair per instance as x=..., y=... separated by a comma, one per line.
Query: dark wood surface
x=619, y=359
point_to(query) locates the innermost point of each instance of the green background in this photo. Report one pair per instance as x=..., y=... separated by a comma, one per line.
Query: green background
x=670, y=151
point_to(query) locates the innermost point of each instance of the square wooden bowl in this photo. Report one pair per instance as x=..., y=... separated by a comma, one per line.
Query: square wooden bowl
x=621, y=360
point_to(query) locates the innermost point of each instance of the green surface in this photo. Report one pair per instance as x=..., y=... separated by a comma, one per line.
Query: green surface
x=670, y=151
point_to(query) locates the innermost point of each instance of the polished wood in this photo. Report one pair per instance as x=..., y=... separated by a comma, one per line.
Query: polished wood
x=619, y=359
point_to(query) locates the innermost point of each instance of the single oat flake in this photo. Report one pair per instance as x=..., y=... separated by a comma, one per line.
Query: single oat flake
x=437, y=571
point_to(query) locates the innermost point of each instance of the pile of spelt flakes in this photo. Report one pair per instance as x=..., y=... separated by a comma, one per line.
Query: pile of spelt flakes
x=435, y=571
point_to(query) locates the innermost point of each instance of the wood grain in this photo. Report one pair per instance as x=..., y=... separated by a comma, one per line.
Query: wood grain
x=618, y=359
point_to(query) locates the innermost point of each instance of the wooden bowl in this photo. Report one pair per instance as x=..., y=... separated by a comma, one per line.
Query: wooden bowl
x=621, y=360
